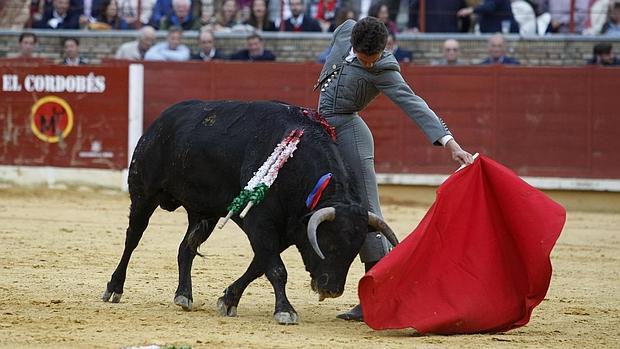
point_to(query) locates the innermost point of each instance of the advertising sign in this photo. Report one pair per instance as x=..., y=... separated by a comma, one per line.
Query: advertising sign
x=64, y=116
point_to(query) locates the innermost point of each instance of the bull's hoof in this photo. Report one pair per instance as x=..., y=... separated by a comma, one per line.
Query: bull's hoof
x=183, y=302
x=224, y=309
x=284, y=318
x=116, y=297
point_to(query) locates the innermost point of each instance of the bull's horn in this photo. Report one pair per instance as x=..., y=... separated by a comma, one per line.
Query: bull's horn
x=324, y=214
x=378, y=223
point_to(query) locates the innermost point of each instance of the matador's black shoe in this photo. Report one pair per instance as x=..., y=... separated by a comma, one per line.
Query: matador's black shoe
x=355, y=314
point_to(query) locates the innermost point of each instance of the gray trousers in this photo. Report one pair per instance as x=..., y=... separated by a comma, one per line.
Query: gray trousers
x=356, y=146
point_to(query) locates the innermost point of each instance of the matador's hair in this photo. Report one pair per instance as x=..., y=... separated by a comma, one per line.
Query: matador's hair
x=369, y=36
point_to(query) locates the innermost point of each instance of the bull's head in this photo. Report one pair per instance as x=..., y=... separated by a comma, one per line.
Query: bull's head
x=336, y=236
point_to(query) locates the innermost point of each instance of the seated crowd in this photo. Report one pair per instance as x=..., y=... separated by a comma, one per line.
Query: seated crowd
x=256, y=16
x=527, y=17
x=145, y=48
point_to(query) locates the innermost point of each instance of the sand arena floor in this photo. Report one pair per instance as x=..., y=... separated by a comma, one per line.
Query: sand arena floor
x=58, y=249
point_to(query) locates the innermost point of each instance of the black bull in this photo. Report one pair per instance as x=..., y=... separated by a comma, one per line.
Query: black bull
x=200, y=155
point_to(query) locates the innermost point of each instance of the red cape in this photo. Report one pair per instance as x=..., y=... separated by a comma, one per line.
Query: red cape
x=477, y=262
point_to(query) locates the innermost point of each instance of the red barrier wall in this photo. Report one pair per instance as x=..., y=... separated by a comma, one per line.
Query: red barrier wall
x=550, y=122
x=80, y=121
x=557, y=122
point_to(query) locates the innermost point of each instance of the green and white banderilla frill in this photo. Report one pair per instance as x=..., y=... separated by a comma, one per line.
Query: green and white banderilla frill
x=257, y=187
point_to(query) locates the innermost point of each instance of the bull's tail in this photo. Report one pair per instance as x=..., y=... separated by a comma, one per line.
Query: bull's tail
x=198, y=235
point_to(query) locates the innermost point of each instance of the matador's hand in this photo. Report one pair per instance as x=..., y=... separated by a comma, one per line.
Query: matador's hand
x=459, y=155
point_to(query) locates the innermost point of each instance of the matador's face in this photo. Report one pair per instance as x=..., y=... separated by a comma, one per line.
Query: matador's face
x=368, y=61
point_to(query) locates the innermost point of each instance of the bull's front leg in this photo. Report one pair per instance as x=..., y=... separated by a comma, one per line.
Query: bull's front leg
x=266, y=261
x=276, y=273
x=227, y=304
x=277, y=276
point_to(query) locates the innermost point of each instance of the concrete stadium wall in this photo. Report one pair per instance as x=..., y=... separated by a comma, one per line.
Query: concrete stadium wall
x=300, y=47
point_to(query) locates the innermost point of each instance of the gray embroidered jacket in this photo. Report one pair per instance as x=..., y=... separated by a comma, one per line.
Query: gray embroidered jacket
x=348, y=87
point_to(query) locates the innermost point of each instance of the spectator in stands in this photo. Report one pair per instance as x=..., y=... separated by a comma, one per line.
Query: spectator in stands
x=36, y=12
x=205, y=10
x=279, y=11
x=181, y=17
x=380, y=10
x=161, y=9
x=27, y=45
x=170, y=50
x=440, y=16
x=259, y=17
x=255, y=51
x=394, y=8
x=79, y=6
x=494, y=16
x=89, y=10
x=525, y=15
x=108, y=18
x=361, y=7
x=136, y=50
x=451, y=51
x=208, y=52
x=58, y=16
x=342, y=14
x=602, y=55
x=299, y=22
x=325, y=12
x=583, y=19
x=559, y=21
x=71, y=47
x=497, y=52
x=598, y=14
x=128, y=11
x=612, y=27
x=226, y=17
x=245, y=7
x=401, y=55
x=164, y=8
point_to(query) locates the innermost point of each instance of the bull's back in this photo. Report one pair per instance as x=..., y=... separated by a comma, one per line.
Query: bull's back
x=198, y=147
x=232, y=120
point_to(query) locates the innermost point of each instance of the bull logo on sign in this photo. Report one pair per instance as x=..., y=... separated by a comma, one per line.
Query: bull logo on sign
x=48, y=122
x=51, y=119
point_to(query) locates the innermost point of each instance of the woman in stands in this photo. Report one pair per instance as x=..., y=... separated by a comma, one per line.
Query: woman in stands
x=226, y=18
x=108, y=18
x=381, y=10
x=342, y=15
x=259, y=17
